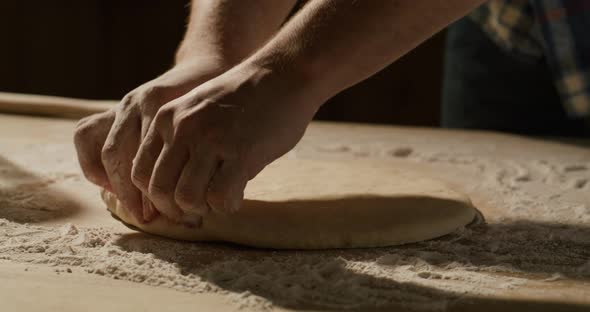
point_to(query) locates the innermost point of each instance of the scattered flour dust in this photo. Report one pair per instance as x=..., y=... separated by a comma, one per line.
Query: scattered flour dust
x=488, y=256
x=425, y=276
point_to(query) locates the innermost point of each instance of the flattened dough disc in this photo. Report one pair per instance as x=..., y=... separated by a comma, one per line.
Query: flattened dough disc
x=305, y=204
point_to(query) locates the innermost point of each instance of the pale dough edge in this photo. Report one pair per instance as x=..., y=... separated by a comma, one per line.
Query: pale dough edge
x=458, y=213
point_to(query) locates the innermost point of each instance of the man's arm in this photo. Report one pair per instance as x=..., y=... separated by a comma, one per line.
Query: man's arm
x=337, y=43
x=234, y=125
x=231, y=30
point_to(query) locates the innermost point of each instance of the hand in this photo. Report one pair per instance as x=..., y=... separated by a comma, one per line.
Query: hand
x=106, y=143
x=202, y=148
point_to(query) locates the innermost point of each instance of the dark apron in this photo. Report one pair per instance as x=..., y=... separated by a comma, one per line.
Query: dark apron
x=486, y=87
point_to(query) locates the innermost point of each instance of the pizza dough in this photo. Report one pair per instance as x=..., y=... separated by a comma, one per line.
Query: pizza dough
x=305, y=204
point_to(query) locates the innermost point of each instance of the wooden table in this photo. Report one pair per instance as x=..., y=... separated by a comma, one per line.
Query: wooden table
x=34, y=147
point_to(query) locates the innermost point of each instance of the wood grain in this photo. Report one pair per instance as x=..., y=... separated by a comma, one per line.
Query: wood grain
x=51, y=106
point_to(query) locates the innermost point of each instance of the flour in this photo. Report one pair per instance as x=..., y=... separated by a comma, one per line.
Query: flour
x=541, y=237
x=424, y=276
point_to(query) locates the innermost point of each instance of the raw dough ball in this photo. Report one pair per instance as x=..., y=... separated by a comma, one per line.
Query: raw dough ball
x=305, y=204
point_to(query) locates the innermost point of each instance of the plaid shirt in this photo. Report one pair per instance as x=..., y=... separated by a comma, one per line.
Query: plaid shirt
x=556, y=30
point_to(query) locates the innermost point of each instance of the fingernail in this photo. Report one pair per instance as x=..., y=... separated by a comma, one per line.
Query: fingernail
x=192, y=221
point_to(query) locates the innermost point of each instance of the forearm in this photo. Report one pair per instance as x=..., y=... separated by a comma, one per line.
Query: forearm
x=337, y=43
x=229, y=31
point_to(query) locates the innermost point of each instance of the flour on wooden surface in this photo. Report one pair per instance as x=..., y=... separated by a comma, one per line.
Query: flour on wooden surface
x=543, y=236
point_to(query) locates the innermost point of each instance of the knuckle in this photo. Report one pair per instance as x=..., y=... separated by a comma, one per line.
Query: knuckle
x=109, y=152
x=184, y=124
x=159, y=192
x=87, y=156
x=151, y=98
x=128, y=107
x=91, y=175
x=83, y=132
x=184, y=119
x=91, y=128
x=81, y=139
x=83, y=121
x=185, y=198
x=152, y=92
x=127, y=102
x=146, y=151
x=164, y=115
x=93, y=172
x=139, y=177
x=147, y=108
x=89, y=170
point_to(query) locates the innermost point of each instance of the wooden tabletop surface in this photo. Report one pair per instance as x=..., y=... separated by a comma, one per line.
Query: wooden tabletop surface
x=33, y=147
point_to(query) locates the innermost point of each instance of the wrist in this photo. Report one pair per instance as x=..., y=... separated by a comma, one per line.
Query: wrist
x=184, y=76
x=214, y=60
x=190, y=51
x=293, y=85
x=296, y=76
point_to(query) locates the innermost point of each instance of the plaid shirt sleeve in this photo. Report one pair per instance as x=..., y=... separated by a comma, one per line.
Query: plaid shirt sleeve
x=553, y=29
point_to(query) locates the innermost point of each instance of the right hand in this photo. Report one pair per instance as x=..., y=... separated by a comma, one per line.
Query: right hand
x=106, y=143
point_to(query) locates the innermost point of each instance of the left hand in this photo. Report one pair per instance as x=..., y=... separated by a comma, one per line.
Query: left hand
x=107, y=142
x=202, y=148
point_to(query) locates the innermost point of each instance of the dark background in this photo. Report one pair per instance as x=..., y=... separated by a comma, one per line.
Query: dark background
x=101, y=49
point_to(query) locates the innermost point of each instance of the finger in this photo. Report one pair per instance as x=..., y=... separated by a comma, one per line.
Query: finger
x=91, y=133
x=193, y=182
x=164, y=178
x=117, y=155
x=192, y=221
x=226, y=189
x=149, y=211
x=145, y=125
x=145, y=160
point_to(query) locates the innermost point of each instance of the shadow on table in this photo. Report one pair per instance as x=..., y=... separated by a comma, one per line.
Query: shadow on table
x=291, y=279
x=28, y=198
